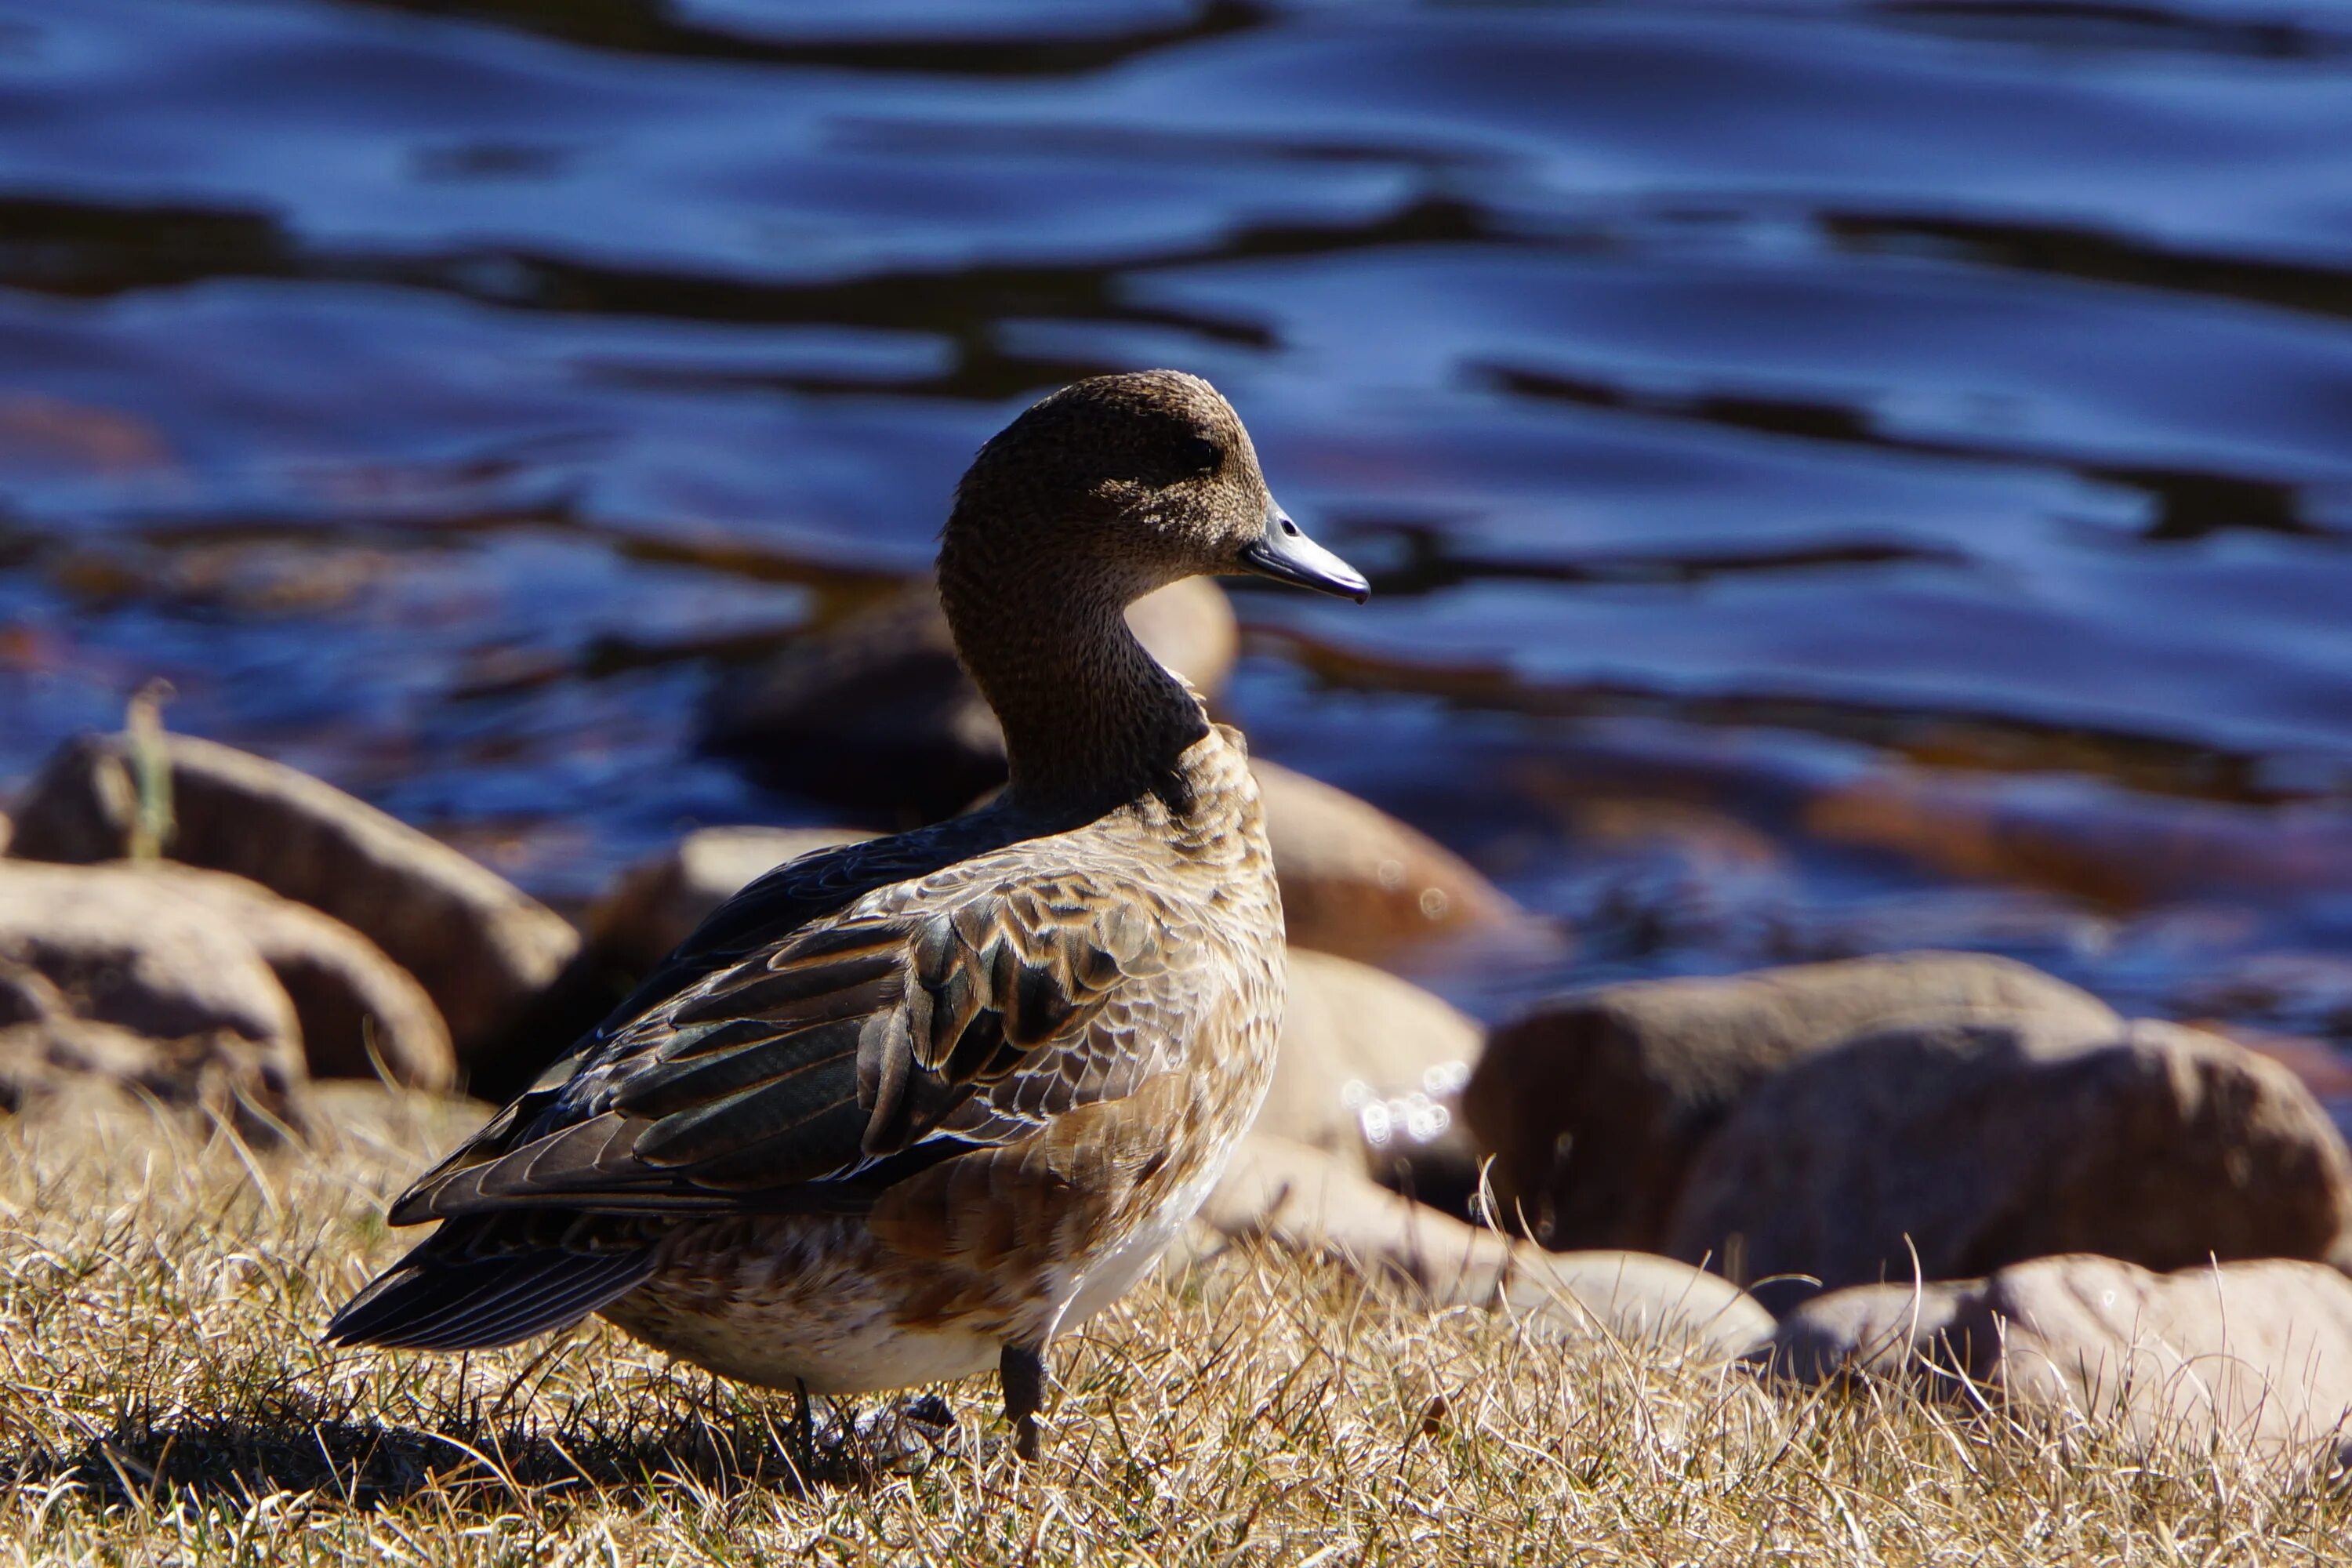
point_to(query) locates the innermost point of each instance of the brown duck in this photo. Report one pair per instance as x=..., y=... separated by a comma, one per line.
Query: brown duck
x=907, y=1108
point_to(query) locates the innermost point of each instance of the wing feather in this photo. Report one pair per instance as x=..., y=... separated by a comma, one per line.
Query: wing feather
x=810, y=1067
x=488, y=1282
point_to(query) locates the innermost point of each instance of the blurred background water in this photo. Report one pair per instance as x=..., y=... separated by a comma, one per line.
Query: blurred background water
x=1835, y=476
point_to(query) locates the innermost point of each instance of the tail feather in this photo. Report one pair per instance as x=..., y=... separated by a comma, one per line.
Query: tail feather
x=426, y=1302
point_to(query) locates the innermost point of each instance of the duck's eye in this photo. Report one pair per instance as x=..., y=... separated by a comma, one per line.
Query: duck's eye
x=1199, y=455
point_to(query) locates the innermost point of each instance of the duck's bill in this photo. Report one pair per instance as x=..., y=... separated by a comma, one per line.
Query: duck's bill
x=1287, y=556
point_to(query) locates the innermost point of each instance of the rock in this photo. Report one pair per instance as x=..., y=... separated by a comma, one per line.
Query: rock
x=109, y=977
x=1311, y=1201
x=874, y=715
x=356, y=1006
x=2319, y=1064
x=1639, y=1298
x=1190, y=627
x=1981, y=1144
x=1885, y=1331
x=1368, y=1069
x=2088, y=838
x=662, y=898
x=1357, y=882
x=123, y=950
x=65, y=1065
x=2254, y=1353
x=1593, y=1104
x=485, y=951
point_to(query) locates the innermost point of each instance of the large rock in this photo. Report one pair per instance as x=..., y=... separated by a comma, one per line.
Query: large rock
x=2254, y=1352
x=111, y=979
x=1357, y=882
x=657, y=901
x=1972, y=1145
x=2087, y=837
x=875, y=716
x=1368, y=1069
x=1593, y=1105
x=64, y=1066
x=485, y=951
x=123, y=949
x=1311, y=1201
x=1190, y=627
x=361, y=1016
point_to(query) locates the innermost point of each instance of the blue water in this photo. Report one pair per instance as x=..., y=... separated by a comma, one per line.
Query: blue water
x=1744, y=411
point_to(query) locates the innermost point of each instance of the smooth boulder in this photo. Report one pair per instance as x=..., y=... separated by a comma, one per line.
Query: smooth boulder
x=2257, y=1352
x=123, y=951
x=361, y=1016
x=485, y=951
x=1592, y=1105
x=1369, y=1068
x=660, y=899
x=1359, y=883
x=1958, y=1147
x=1311, y=1201
x=109, y=980
x=876, y=717
x=64, y=1067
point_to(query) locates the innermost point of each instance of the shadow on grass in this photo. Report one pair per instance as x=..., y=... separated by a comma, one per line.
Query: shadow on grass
x=299, y=1443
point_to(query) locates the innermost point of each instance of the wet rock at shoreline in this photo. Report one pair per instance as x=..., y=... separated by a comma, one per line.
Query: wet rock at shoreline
x=1972, y=1144
x=2088, y=838
x=1312, y=1202
x=1594, y=1104
x=485, y=951
x=875, y=716
x=2251, y=1352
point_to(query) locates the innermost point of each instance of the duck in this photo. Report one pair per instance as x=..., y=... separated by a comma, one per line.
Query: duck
x=905, y=1110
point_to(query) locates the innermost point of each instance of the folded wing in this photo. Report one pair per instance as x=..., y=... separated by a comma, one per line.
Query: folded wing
x=809, y=1075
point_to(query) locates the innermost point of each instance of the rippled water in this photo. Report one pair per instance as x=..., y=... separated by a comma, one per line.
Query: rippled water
x=1835, y=476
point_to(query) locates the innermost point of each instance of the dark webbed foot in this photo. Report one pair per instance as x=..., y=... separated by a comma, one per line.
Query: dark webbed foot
x=1022, y=1370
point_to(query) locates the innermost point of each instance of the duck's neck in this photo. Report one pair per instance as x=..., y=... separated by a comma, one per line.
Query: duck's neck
x=1090, y=719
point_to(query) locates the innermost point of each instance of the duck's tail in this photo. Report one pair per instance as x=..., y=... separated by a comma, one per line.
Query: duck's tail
x=453, y=1293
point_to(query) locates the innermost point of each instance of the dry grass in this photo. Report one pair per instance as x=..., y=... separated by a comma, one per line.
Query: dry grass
x=163, y=1397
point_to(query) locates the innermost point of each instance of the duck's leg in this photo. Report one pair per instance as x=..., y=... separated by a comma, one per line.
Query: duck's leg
x=803, y=1432
x=1022, y=1370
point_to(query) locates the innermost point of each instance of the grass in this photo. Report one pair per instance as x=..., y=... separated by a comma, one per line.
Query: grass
x=163, y=1397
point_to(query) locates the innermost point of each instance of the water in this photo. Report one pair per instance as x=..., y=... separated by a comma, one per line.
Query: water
x=1835, y=476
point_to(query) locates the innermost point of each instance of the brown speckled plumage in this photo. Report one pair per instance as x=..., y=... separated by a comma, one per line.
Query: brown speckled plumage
x=905, y=1107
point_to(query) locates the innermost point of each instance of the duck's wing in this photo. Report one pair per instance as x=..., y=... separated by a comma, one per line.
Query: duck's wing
x=810, y=1071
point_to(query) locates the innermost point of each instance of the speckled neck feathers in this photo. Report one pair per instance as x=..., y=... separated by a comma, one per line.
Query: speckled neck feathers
x=1090, y=718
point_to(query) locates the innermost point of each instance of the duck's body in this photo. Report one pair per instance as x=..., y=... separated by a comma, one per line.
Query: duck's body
x=904, y=1110
x=1013, y=1243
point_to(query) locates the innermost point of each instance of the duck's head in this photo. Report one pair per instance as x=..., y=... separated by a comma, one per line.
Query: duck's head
x=1131, y=483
